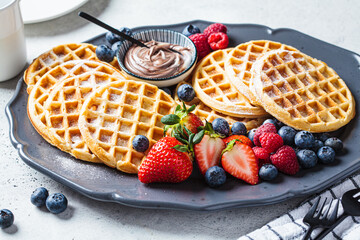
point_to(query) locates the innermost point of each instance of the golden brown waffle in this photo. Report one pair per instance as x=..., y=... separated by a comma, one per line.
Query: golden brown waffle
x=301, y=91
x=62, y=110
x=213, y=87
x=241, y=58
x=209, y=114
x=114, y=114
x=41, y=90
x=57, y=56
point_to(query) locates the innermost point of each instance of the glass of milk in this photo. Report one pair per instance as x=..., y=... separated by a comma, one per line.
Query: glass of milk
x=12, y=40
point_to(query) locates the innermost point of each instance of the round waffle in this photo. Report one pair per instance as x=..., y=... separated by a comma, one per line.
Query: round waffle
x=40, y=93
x=62, y=110
x=213, y=87
x=114, y=114
x=241, y=58
x=57, y=56
x=209, y=114
x=301, y=91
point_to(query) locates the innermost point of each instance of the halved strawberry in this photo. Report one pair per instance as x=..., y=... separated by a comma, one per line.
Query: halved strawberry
x=241, y=139
x=208, y=152
x=192, y=122
x=239, y=160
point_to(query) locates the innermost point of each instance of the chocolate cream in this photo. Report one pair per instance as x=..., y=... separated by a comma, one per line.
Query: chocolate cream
x=157, y=61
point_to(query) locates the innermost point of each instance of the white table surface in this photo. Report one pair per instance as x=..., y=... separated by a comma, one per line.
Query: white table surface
x=336, y=22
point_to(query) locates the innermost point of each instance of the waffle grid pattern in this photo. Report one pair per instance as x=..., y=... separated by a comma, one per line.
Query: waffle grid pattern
x=56, y=56
x=213, y=87
x=113, y=115
x=63, y=108
x=41, y=90
x=209, y=114
x=241, y=59
x=306, y=93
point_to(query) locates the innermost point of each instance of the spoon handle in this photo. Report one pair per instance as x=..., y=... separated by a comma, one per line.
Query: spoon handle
x=111, y=29
x=326, y=231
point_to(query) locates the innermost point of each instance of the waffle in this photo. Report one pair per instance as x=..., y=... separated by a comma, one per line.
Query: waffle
x=114, y=114
x=241, y=58
x=62, y=110
x=57, y=56
x=213, y=87
x=301, y=91
x=207, y=113
x=41, y=90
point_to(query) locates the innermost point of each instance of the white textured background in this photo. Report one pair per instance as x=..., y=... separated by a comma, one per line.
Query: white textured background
x=336, y=22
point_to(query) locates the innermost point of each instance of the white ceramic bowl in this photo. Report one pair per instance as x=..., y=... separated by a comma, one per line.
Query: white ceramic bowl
x=161, y=35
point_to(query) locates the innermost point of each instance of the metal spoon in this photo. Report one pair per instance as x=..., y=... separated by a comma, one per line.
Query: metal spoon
x=111, y=29
x=351, y=207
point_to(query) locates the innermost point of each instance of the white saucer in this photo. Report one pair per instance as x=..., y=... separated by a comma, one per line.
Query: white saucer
x=34, y=11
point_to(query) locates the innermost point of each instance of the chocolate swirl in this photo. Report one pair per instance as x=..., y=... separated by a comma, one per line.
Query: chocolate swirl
x=157, y=61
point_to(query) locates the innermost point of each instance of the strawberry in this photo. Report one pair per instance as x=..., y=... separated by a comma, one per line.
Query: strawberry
x=240, y=138
x=167, y=161
x=239, y=160
x=208, y=151
x=182, y=120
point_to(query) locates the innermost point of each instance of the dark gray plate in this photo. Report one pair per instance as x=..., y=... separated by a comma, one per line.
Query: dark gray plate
x=105, y=184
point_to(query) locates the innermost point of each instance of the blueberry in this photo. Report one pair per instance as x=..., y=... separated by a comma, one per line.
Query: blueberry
x=115, y=47
x=326, y=155
x=221, y=126
x=317, y=145
x=190, y=30
x=167, y=90
x=104, y=53
x=334, y=143
x=287, y=134
x=304, y=139
x=6, y=218
x=251, y=134
x=215, y=176
x=127, y=31
x=268, y=172
x=238, y=128
x=56, y=203
x=322, y=136
x=112, y=38
x=307, y=158
x=140, y=143
x=186, y=93
x=38, y=197
x=272, y=121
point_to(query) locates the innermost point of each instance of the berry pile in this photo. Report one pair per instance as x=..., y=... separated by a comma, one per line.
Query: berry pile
x=213, y=38
x=219, y=149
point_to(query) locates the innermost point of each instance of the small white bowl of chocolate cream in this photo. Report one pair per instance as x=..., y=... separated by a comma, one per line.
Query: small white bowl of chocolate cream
x=169, y=58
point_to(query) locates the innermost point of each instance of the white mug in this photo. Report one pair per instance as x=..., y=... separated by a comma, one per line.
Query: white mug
x=12, y=40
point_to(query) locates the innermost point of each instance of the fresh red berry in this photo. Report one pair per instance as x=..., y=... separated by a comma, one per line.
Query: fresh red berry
x=218, y=41
x=271, y=141
x=265, y=128
x=165, y=164
x=239, y=160
x=285, y=160
x=208, y=152
x=262, y=155
x=241, y=138
x=192, y=122
x=201, y=44
x=215, y=27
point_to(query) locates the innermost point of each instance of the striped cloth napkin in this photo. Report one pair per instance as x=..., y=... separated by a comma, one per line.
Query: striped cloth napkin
x=291, y=227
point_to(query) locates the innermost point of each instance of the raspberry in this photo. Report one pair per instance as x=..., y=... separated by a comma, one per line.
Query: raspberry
x=216, y=27
x=262, y=155
x=285, y=160
x=271, y=141
x=242, y=139
x=218, y=41
x=265, y=128
x=201, y=44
